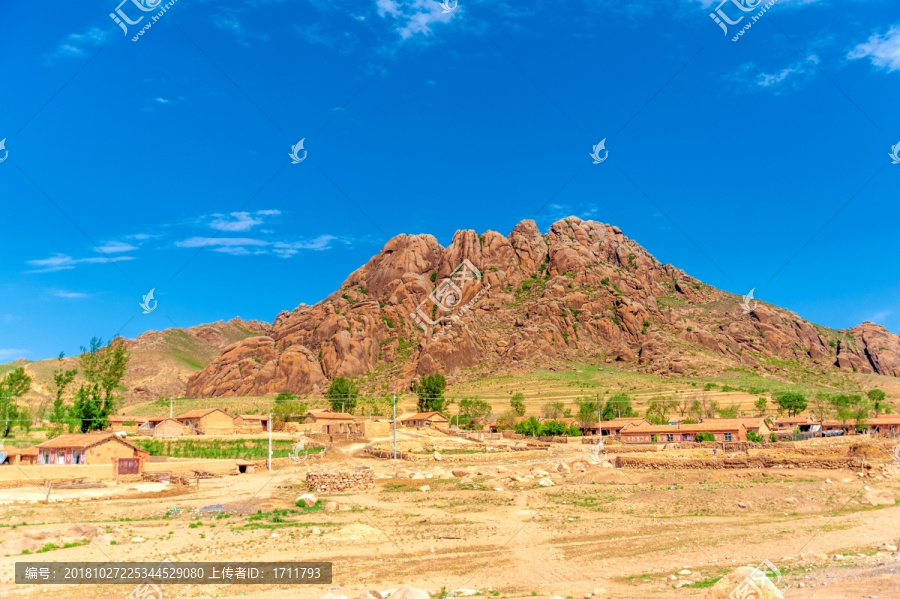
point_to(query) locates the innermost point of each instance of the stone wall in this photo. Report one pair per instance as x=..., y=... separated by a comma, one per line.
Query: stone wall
x=825, y=463
x=341, y=481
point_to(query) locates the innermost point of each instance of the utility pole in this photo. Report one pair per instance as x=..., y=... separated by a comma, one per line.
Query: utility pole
x=395, y=426
x=170, y=407
x=270, y=442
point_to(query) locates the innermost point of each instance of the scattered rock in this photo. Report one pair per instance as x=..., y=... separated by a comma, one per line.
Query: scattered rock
x=460, y=473
x=138, y=539
x=563, y=468
x=883, y=497
x=437, y=456
x=16, y=545
x=409, y=593
x=744, y=505
x=308, y=499
x=104, y=539
x=888, y=547
x=331, y=506
x=425, y=488
x=39, y=535
x=546, y=482
x=83, y=530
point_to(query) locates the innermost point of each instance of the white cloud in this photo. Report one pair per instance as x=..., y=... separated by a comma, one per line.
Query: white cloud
x=59, y=262
x=882, y=50
x=68, y=294
x=7, y=355
x=115, y=247
x=239, y=221
x=413, y=16
x=748, y=76
x=77, y=44
x=244, y=246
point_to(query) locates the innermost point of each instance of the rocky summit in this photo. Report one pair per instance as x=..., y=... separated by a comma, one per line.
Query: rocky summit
x=582, y=291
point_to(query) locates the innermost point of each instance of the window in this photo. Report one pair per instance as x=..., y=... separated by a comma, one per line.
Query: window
x=669, y=438
x=728, y=436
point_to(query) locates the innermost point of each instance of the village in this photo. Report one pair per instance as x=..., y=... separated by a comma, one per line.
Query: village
x=331, y=483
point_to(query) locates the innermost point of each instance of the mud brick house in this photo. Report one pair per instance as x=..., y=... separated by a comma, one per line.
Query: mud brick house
x=333, y=423
x=615, y=426
x=725, y=430
x=760, y=426
x=801, y=423
x=168, y=428
x=142, y=425
x=425, y=420
x=886, y=425
x=251, y=423
x=208, y=421
x=87, y=448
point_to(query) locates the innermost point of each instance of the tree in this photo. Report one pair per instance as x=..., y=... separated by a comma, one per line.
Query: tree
x=754, y=437
x=530, y=427
x=474, y=413
x=517, y=403
x=587, y=413
x=342, y=394
x=104, y=367
x=62, y=378
x=618, y=406
x=88, y=408
x=374, y=406
x=289, y=411
x=729, y=411
x=876, y=396
x=659, y=408
x=554, y=410
x=696, y=408
x=761, y=405
x=506, y=420
x=820, y=407
x=13, y=386
x=704, y=436
x=25, y=419
x=683, y=405
x=285, y=397
x=430, y=390
x=791, y=402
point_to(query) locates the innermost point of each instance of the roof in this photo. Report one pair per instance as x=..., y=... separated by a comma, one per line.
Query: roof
x=748, y=421
x=328, y=415
x=726, y=425
x=200, y=413
x=621, y=422
x=423, y=416
x=118, y=418
x=253, y=416
x=794, y=420
x=83, y=441
x=884, y=419
x=33, y=450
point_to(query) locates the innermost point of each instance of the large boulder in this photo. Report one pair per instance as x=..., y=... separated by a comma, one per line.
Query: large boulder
x=16, y=545
x=409, y=593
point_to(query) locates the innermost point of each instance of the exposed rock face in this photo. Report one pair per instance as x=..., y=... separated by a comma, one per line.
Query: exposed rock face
x=583, y=290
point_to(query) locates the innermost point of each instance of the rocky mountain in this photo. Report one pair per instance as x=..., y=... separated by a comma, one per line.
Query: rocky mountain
x=582, y=291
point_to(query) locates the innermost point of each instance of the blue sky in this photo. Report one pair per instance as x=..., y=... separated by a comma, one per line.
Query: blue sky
x=164, y=162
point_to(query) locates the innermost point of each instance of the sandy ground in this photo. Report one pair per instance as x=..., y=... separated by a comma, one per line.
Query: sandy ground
x=624, y=533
